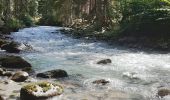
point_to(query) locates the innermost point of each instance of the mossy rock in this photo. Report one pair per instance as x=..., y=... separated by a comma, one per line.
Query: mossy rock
x=40, y=91
x=14, y=62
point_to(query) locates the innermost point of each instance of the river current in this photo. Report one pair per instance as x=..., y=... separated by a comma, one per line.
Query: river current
x=133, y=75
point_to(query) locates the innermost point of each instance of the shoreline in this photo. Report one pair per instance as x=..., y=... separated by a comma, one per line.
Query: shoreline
x=145, y=44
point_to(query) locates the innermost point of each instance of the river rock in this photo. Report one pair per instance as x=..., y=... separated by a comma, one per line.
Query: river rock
x=104, y=61
x=25, y=47
x=20, y=76
x=13, y=62
x=11, y=47
x=8, y=74
x=102, y=82
x=40, y=91
x=1, y=98
x=2, y=42
x=58, y=73
x=163, y=92
x=2, y=71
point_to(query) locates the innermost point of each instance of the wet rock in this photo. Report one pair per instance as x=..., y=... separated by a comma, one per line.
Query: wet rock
x=163, y=92
x=11, y=47
x=40, y=91
x=104, y=61
x=1, y=98
x=8, y=74
x=2, y=42
x=102, y=82
x=2, y=71
x=14, y=62
x=58, y=73
x=25, y=47
x=20, y=76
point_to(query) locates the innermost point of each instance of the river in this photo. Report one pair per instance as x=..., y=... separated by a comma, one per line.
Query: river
x=137, y=75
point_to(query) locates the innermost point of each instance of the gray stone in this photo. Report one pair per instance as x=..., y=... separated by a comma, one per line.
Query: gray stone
x=20, y=76
x=58, y=73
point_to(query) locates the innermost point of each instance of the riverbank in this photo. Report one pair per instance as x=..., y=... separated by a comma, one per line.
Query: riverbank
x=145, y=43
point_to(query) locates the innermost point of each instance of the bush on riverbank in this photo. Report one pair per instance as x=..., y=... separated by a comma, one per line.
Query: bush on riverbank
x=27, y=20
x=49, y=20
x=12, y=24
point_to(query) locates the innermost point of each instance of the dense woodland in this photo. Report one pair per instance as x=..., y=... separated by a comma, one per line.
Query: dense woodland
x=112, y=17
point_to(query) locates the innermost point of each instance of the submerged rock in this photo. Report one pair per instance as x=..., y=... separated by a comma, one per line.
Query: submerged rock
x=11, y=47
x=20, y=76
x=102, y=82
x=104, y=61
x=163, y=92
x=40, y=91
x=13, y=62
x=58, y=73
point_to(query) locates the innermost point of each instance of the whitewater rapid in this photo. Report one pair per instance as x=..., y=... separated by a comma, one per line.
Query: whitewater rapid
x=136, y=73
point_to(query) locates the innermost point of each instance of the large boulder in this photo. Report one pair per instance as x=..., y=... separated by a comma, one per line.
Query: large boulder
x=20, y=76
x=11, y=47
x=104, y=61
x=13, y=62
x=40, y=91
x=58, y=73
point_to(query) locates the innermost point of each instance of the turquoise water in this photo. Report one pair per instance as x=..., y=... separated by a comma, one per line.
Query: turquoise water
x=137, y=73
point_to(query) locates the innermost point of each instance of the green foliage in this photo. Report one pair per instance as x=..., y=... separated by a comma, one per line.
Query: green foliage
x=13, y=24
x=145, y=17
x=49, y=20
x=27, y=20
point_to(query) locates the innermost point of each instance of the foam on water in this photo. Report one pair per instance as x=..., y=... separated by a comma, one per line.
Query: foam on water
x=135, y=72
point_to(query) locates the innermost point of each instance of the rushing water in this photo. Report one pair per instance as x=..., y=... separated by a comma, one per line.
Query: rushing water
x=137, y=75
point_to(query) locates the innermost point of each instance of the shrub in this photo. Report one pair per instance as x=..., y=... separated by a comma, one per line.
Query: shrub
x=49, y=20
x=13, y=24
x=145, y=20
x=27, y=20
